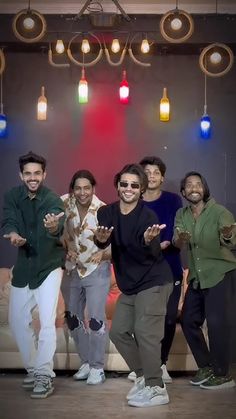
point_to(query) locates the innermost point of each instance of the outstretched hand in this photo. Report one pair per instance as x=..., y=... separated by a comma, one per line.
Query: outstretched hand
x=15, y=239
x=152, y=232
x=102, y=233
x=228, y=230
x=183, y=235
x=51, y=221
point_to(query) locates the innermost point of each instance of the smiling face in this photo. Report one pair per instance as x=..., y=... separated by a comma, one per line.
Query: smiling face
x=129, y=188
x=32, y=176
x=83, y=192
x=193, y=190
x=154, y=175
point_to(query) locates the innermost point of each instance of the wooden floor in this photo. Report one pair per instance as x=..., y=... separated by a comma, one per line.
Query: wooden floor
x=77, y=400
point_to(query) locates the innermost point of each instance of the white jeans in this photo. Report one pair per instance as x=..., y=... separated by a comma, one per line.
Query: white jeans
x=36, y=357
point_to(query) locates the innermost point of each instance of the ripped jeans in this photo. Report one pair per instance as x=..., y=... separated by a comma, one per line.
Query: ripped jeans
x=90, y=292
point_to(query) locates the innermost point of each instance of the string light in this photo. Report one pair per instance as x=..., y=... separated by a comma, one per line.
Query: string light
x=145, y=47
x=85, y=47
x=60, y=48
x=115, y=46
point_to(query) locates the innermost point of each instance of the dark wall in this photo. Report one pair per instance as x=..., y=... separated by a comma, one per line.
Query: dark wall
x=104, y=135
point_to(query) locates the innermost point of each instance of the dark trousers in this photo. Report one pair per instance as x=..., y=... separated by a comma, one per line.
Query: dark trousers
x=138, y=328
x=213, y=305
x=170, y=320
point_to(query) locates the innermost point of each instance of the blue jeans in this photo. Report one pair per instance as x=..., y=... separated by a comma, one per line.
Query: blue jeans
x=90, y=292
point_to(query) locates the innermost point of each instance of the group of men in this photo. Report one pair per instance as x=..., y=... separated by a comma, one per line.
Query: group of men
x=77, y=237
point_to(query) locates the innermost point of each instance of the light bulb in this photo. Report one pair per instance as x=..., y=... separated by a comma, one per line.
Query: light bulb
x=3, y=125
x=164, y=107
x=124, y=90
x=145, y=47
x=28, y=23
x=176, y=24
x=115, y=46
x=85, y=47
x=205, y=126
x=215, y=58
x=60, y=46
x=42, y=106
x=83, y=89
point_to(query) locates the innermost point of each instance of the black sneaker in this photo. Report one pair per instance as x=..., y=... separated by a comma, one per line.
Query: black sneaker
x=202, y=375
x=218, y=383
x=43, y=387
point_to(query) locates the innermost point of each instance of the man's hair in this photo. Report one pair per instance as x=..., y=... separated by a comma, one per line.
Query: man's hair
x=133, y=169
x=206, y=190
x=82, y=174
x=31, y=157
x=153, y=160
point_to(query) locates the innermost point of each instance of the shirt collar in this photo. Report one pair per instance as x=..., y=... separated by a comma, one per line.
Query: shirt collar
x=25, y=194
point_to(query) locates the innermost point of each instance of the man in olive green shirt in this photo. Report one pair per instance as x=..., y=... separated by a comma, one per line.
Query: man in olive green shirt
x=209, y=231
x=33, y=221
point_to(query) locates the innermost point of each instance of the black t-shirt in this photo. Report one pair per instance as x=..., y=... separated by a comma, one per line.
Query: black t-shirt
x=137, y=266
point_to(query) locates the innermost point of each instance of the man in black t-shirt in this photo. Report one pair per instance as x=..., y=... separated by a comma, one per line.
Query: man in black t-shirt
x=145, y=280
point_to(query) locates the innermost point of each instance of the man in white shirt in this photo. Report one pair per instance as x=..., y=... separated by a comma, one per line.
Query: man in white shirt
x=87, y=278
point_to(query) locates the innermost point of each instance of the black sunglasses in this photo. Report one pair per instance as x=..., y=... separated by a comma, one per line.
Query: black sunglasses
x=133, y=185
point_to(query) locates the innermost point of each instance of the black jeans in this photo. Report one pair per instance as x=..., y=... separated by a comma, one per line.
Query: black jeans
x=215, y=306
x=170, y=320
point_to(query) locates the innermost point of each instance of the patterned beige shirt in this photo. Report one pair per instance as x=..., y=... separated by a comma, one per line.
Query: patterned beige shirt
x=79, y=236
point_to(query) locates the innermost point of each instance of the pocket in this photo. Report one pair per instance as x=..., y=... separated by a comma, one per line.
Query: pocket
x=156, y=301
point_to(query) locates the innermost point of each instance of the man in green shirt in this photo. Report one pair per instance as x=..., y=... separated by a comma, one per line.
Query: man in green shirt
x=209, y=231
x=33, y=221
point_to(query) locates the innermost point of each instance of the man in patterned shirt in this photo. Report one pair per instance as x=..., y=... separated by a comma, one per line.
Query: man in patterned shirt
x=87, y=278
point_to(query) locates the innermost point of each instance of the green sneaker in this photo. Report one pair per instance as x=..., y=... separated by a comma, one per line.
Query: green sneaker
x=202, y=375
x=215, y=383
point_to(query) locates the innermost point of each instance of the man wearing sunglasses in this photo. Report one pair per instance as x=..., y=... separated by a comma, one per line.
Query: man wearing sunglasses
x=144, y=279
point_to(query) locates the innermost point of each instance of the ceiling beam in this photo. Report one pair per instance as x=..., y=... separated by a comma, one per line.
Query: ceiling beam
x=144, y=7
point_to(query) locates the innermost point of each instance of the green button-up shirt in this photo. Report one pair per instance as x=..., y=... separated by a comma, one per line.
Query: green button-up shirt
x=42, y=252
x=209, y=253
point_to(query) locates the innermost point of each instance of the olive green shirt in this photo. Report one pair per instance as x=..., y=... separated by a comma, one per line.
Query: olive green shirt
x=43, y=251
x=209, y=253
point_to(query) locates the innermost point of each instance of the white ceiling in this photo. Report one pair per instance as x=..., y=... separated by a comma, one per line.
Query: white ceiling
x=129, y=6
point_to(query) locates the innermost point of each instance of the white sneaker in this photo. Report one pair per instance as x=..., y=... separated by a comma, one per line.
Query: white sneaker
x=165, y=375
x=82, y=373
x=150, y=396
x=28, y=381
x=96, y=376
x=139, y=385
x=132, y=376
